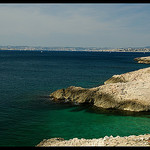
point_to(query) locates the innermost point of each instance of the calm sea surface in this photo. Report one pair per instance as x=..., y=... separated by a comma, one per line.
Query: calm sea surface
x=27, y=116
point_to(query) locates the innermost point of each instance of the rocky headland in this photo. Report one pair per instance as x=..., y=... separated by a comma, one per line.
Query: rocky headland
x=143, y=60
x=128, y=91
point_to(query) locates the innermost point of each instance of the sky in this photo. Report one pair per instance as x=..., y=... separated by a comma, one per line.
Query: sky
x=75, y=24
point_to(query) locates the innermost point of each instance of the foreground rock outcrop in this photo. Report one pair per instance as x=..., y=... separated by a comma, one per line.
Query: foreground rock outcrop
x=144, y=60
x=132, y=140
x=128, y=91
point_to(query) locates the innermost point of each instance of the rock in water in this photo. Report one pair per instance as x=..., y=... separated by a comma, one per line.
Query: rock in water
x=128, y=91
x=144, y=60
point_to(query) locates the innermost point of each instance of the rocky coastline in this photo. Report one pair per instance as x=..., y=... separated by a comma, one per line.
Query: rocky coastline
x=128, y=91
x=132, y=140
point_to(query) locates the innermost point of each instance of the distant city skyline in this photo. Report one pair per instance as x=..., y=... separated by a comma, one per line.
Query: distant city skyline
x=75, y=25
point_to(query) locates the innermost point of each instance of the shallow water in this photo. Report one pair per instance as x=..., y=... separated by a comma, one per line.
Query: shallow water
x=27, y=116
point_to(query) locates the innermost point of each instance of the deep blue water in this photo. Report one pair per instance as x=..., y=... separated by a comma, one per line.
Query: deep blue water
x=27, y=116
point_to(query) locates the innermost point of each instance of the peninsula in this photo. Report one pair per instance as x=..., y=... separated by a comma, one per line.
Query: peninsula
x=128, y=91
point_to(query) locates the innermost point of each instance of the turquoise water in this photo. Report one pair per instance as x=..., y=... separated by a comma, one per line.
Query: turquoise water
x=27, y=116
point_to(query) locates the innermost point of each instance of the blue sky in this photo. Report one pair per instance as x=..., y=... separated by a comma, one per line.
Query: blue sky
x=97, y=24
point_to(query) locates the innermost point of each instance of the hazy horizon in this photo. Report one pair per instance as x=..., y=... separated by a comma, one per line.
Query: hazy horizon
x=75, y=25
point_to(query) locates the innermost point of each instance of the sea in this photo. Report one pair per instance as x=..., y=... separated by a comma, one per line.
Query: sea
x=28, y=115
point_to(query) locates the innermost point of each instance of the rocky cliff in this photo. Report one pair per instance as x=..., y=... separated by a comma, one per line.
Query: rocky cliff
x=128, y=91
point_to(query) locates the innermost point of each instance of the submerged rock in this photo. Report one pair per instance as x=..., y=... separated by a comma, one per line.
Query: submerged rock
x=144, y=60
x=128, y=91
